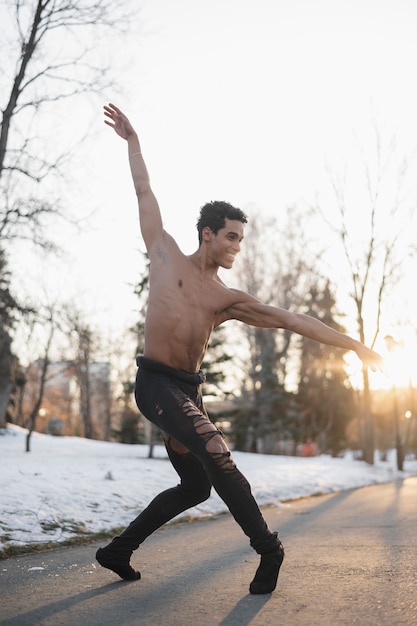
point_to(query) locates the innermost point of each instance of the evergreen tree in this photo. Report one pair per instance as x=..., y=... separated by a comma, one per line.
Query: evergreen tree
x=325, y=398
x=266, y=420
x=215, y=362
x=8, y=309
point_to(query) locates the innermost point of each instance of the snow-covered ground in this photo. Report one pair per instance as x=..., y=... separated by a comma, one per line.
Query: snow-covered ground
x=66, y=485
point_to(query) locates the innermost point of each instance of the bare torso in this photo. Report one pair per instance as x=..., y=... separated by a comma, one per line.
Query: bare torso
x=184, y=307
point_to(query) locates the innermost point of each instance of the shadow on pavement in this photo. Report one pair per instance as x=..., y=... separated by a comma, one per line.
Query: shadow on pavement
x=245, y=610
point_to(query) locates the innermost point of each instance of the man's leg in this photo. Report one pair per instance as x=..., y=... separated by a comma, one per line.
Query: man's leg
x=208, y=444
x=193, y=489
x=178, y=415
x=176, y=408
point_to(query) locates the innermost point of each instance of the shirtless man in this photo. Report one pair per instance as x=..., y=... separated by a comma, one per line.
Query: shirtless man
x=187, y=300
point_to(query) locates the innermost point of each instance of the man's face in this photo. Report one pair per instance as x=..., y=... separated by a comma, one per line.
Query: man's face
x=226, y=244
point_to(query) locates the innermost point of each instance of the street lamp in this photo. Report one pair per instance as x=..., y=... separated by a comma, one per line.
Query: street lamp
x=408, y=415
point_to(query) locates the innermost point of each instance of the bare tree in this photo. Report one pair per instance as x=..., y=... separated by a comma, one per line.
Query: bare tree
x=275, y=267
x=35, y=410
x=84, y=342
x=83, y=367
x=52, y=53
x=50, y=324
x=375, y=210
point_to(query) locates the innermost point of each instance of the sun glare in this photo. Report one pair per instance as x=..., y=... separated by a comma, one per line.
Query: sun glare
x=399, y=368
x=399, y=363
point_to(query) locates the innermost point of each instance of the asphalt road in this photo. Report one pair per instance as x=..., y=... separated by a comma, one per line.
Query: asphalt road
x=351, y=558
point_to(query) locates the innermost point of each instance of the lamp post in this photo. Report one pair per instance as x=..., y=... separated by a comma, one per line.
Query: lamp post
x=408, y=419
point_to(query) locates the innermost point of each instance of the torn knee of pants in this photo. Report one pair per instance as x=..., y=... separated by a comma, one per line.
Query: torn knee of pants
x=214, y=441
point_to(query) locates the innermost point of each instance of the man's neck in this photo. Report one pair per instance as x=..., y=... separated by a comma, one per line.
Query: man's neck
x=201, y=261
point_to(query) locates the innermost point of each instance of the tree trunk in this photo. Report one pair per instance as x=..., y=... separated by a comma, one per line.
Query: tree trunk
x=35, y=410
x=369, y=446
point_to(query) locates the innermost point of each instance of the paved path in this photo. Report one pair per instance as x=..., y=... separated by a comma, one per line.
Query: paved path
x=351, y=558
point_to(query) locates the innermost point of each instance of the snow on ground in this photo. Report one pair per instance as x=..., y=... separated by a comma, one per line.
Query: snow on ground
x=67, y=485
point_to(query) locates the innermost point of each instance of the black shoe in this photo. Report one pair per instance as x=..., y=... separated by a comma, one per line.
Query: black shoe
x=266, y=575
x=108, y=559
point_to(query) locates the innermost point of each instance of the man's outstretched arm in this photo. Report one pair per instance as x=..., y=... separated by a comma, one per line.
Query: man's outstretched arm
x=149, y=213
x=255, y=313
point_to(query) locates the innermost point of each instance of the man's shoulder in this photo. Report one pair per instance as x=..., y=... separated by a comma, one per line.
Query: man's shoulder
x=231, y=298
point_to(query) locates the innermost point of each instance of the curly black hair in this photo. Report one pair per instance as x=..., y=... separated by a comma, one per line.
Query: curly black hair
x=214, y=214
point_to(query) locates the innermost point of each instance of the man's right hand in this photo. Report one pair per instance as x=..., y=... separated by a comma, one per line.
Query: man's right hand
x=370, y=358
x=118, y=121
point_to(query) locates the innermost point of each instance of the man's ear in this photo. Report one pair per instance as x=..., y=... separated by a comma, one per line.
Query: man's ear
x=207, y=233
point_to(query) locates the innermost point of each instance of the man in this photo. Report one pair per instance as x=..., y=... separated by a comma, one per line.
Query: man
x=187, y=300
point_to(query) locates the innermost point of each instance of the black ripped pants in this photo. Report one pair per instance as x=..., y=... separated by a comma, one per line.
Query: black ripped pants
x=171, y=399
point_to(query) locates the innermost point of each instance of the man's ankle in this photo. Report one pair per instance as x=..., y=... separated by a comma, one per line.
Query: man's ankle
x=266, y=575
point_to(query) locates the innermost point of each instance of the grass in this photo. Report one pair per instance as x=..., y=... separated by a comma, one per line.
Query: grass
x=80, y=539
x=9, y=550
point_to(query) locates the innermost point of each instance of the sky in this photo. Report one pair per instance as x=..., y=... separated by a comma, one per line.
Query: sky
x=70, y=485
x=240, y=100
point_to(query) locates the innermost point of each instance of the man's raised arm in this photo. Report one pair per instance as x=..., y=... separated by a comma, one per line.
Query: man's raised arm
x=149, y=213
